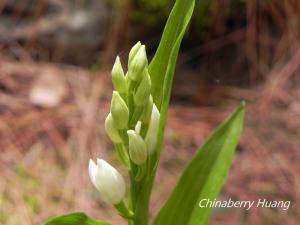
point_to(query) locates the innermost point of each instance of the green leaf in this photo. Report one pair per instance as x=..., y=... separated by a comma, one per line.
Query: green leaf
x=204, y=176
x=77, y=218
x=161, y=70
x=162, y=66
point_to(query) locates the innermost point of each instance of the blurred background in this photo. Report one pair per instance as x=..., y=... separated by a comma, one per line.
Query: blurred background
x=55, y=90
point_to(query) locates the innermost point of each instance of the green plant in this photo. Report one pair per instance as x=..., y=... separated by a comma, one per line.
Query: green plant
x=136, y=127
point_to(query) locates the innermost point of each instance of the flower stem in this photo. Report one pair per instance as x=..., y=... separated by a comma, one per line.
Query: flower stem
x=142, y=203
x=123, y=155
x=124, y=211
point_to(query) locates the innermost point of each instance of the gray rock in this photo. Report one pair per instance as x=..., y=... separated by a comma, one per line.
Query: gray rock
x=72, y=28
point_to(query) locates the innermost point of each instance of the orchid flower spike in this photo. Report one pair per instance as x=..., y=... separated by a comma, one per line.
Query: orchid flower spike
x=108, y=181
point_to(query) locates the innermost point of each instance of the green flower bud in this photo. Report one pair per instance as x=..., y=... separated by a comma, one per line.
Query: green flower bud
x=147, y=110
x=143, y=91
x=151, y=136
x=137, y=64
x=137, y=148
x=118, y=78
x=111, y=130
x=119, y=111
x=133, y=51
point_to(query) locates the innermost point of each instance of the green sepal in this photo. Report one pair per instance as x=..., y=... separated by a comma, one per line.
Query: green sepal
x=138, y=64
x=143, y=91
x=133, y=52
x=111, y=130
x=147, y=110
x=118, y=78
x=137, y=148
x=119, y=111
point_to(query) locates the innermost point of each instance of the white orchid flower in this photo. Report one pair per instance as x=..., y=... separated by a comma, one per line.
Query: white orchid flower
x=108, y=181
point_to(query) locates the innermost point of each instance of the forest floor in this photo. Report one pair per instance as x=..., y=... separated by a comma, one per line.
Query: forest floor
x=45, y=148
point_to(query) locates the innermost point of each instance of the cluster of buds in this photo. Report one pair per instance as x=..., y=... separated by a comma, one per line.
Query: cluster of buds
x=133, y=120
x=132, y=125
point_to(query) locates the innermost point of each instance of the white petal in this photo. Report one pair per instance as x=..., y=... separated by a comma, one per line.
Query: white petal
x=110, y=182
x=131, y=133
x=104, y=166
x=151, y=136
x=92, y=171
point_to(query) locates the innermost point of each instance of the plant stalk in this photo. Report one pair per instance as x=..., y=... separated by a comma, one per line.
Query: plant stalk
x=141, y=209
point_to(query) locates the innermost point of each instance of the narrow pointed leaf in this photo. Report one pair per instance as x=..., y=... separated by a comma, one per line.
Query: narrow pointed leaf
x=162, y=66
x=204, y=175
x=76, y=218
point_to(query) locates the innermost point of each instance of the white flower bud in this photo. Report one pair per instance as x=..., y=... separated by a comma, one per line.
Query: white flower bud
x=143, y=91
x=137, y=148
x=137, y=63
x=111, y=130
x=118, y=78
x=151, y=136
x=108, y=181
x=119, y=111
